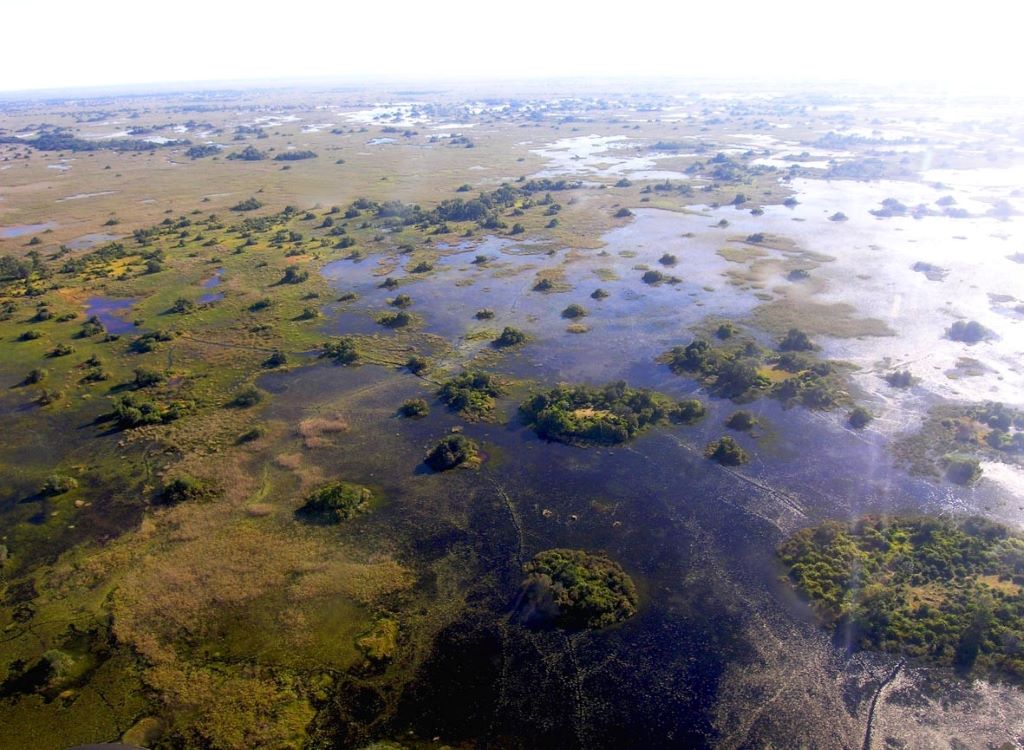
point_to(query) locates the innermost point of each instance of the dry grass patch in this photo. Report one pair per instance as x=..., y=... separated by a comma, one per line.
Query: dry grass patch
x=314, y=431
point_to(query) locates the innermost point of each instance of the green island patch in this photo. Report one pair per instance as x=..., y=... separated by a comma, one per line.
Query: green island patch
x=336, y=502
x=743, y=371
x=472, y=394
x=946, y=591
x=954, y=438
x=576, y=590
x=609, y=415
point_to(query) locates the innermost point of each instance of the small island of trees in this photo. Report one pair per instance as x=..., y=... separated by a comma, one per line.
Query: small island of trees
x=335, y=502
x=610, y=415
x=472, y=393
x=453, y=451
x=726, y=451
x=744, y=371
x=576, y=590
x=942, y=590
x=509, y=337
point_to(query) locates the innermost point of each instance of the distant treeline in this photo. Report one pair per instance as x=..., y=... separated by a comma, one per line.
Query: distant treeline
x=62, y=140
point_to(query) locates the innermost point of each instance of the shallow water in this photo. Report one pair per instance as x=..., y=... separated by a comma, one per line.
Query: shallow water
x=8, y=233
x=91, y=240
x=112, y=312
x=597, y=156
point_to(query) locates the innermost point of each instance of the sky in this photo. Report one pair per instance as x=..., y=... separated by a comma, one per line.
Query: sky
x=70, y=43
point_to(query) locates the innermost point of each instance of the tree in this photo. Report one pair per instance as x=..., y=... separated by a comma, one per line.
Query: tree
x=726, y=451
x=574, y=311
x=414, y=407
x=795, y=340
x=860, y=417
x=510, y=337
x=450, y=452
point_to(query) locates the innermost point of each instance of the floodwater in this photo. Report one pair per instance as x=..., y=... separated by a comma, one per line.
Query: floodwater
x=112, y=312
x=698, y=538
x=626, y=331
x=212, y=283
x=20, y=230
x=601, y=156
x=91, y=240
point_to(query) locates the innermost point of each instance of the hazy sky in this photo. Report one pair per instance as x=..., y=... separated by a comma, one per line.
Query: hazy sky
x=61, y=43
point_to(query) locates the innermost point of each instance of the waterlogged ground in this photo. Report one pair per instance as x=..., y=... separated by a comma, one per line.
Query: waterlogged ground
x=226, y=621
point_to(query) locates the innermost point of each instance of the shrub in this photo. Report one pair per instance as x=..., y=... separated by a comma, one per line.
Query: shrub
x=741, y=421
x=248, y=396
x=414, y=407
x=148, y=342
x=34, y=376
x=184, y=488
x=398, y=319
x=452, y=451
x=145, y=377
x=471, y=393
x=726, y=331
x=342, y=350
x=336, y=502
x=584, y=415
x=509, y=337
x=962, y=469
x=252, y=434
x=689, y=411
x=795, y=341
x=859, y=417
x=58, y=484
x=900, y=379
x=574, y=311
x=416, y=365
x=484, y=314
x=277, y=359
x=726, y=451
x=292, y=275
x=969, y=332
x=182, y=306
x=250, y=204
